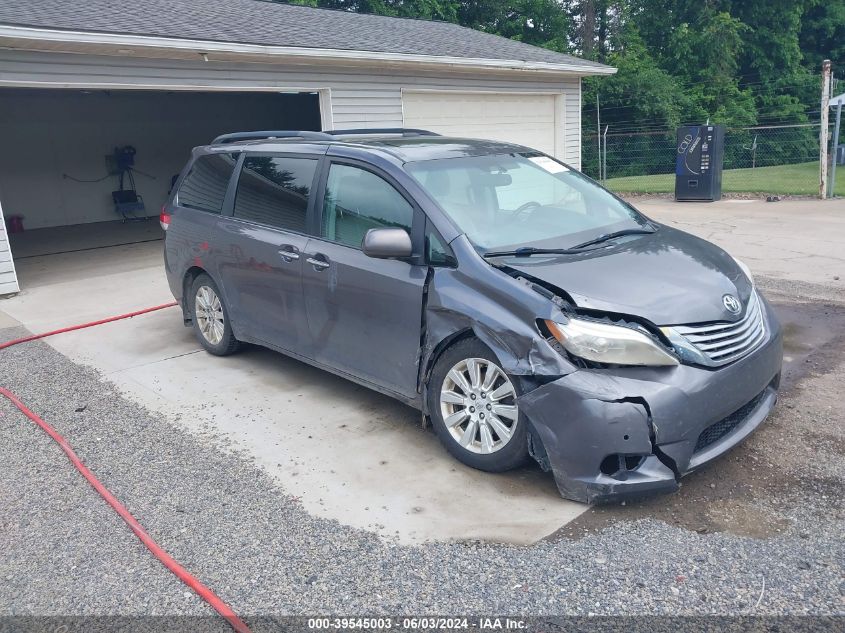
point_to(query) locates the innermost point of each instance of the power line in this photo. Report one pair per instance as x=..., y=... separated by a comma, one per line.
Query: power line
x=670, y=132
x=766, y=118
x=777, y=83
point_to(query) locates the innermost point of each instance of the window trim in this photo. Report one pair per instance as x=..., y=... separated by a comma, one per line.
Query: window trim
x=417, y=222
x=312, y=195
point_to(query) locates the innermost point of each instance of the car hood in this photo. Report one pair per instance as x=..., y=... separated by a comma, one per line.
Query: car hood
x=668, y=277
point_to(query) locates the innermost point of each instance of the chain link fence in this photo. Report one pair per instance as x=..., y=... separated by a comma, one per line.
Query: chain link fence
x=775, y=160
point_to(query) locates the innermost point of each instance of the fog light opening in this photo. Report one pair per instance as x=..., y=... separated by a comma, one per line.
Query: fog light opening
x=618, y=465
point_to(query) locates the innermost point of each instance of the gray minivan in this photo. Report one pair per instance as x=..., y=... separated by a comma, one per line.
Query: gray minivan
x=522, y=307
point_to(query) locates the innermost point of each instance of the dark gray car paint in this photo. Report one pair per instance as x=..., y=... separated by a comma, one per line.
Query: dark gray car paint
x=500, y=310
x=667, y=277
x=261, y=270
x=363, y=314
x=577, y=415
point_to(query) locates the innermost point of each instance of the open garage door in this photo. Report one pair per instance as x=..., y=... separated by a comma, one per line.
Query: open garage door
x=534, y=120
x=59, y=169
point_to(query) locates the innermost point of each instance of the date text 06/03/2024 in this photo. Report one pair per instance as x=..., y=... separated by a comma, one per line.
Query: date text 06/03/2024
x=418, y=623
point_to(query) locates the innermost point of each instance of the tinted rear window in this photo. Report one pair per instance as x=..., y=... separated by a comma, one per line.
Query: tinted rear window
x=205, y=185
x=274, y=190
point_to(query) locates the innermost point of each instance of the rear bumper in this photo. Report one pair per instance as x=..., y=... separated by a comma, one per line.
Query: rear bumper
x=649, y=422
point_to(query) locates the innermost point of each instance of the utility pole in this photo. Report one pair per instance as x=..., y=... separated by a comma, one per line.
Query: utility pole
x=823, y=131
x=598, y=130
x=604, y=155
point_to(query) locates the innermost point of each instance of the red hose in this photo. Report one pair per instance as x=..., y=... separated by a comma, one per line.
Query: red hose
x=85, y=325
x=204, y=592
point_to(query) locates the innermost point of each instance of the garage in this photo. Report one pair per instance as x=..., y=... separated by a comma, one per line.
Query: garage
x=100, y=107
x=535, y=120
x=92, y=158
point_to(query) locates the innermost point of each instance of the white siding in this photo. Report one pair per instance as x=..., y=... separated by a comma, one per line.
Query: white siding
x=573, y=124
x=358, y=98
x=8, y=278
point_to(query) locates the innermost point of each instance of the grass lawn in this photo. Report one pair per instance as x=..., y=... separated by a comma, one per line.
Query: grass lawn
x=798, y=179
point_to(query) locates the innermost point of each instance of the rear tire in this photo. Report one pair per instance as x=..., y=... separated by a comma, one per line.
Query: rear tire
x=210, y=318
x=472, y=403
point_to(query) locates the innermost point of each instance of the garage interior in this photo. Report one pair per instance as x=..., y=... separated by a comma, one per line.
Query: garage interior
x=59, y=168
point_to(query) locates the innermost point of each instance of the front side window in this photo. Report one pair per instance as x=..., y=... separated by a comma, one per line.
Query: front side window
x=274, y=190
x=514, y=200
x=356, y=201
x=204, y=187
x=437, y=251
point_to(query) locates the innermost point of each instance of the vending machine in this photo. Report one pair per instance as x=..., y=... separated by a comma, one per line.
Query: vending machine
x=698, y=162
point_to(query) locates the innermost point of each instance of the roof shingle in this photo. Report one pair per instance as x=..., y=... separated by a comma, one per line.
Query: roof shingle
x=274, y=24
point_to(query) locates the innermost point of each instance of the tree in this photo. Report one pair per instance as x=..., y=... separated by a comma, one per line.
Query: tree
x=822, y=34
x=735, y=62
x=598, y=22
x=641, y=98
x=543, y=23
x=707, y=58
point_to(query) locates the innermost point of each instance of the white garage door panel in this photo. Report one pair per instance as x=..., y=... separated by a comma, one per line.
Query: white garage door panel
x=525, y=119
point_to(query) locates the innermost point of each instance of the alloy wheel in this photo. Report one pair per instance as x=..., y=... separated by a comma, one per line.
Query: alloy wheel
x=478, y=405
x=208, y=311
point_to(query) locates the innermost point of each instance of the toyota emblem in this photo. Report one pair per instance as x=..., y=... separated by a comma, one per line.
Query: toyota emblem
x=732, y=304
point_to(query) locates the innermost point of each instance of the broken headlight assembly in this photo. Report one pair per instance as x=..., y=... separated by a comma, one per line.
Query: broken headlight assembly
x=609, y=344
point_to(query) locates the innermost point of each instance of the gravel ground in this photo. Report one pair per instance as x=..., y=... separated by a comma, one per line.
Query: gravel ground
x=66, y=552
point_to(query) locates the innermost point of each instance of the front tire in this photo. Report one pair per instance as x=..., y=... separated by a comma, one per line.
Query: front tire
x=210, y=318
x=472, y=403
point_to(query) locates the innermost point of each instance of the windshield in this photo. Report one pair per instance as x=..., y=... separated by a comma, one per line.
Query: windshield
x=514, y=200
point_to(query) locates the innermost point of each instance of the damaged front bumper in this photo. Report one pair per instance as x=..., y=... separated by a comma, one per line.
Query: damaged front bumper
x=611, y=433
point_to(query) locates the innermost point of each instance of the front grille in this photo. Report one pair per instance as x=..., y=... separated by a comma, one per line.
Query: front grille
x=725, y=342
x=720, y=429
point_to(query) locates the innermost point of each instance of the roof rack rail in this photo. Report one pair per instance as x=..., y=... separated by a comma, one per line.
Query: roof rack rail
x=403, y=131
x=270, y=134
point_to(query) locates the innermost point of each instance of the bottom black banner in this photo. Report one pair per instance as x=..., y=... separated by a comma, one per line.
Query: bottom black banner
x=296, y=624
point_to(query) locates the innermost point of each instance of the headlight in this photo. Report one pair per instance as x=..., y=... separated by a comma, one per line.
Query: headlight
x=745, y=269
x=603, y=343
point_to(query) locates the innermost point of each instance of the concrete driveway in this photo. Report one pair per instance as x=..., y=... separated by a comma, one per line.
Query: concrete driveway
x=348, y=453
x=796, y=240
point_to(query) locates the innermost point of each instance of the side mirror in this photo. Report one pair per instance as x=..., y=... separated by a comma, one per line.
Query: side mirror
x=387, y=243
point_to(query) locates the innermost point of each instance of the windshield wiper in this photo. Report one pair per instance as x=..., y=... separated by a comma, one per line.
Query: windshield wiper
x=611, y=236
x=578, y=249
x=527, y=251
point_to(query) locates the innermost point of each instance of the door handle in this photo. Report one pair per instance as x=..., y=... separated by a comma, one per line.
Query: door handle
x=319, y=264
x=289, y=253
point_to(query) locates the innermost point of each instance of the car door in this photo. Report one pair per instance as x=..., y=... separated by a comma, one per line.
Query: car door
x=364, y=314
x=265, y=239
